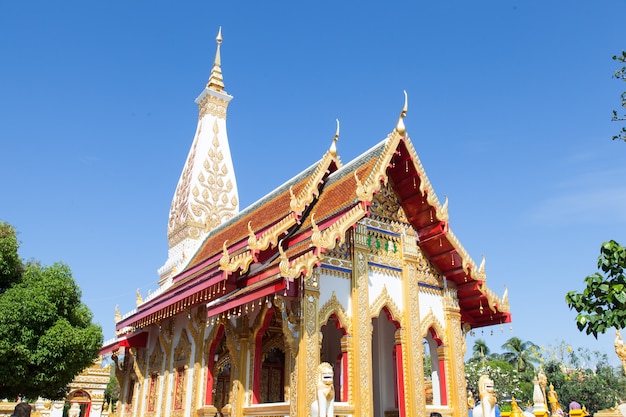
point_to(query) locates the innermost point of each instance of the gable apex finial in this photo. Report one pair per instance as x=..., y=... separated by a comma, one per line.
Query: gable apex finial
x=400, y=125
x=333, y=146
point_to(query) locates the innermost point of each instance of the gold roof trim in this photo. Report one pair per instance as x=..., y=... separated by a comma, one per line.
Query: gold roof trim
x=425, y=187
x=297, y=205
x=322, y=241
x=231, y=264
x=328, y=238
x=270, y=236
x=302, y=264
x=310, y=191
x=365, y=190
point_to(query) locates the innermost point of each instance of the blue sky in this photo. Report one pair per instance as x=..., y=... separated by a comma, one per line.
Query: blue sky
x=509, y=110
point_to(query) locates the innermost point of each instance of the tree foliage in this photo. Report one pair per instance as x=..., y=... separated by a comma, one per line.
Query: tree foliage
x=620, y=74
x=10, y=263
x=520, y=354
x=598, y=387
x=46, y=333
x=505, y=378
x=602, y=304
x=577, y=375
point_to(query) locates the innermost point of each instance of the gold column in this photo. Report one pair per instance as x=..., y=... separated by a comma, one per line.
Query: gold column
x=308, y=354
x=196, y=326
x=361, y=377
x=166, y=336
x=412, y=347
x=239, y=386
x=454, y=360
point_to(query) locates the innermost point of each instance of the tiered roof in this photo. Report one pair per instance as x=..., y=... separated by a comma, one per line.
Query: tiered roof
x=281, y=238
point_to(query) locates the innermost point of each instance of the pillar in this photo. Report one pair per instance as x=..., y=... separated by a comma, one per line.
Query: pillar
x=361, y=376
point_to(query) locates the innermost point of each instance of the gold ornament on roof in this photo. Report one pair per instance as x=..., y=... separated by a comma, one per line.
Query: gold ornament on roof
x=118, y=316
x=400, y=125
x=139, y=298
x=333, y=146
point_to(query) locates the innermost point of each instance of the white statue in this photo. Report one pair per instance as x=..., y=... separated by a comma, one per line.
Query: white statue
x=487, y=406
x=74, y=410
x=324, y=405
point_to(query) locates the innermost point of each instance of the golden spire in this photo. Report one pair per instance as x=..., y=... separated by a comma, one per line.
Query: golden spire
x=400, y=126
x=333, y=146
x=216, y=82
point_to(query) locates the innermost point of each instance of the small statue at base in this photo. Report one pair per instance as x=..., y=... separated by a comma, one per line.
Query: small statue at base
x=324, y=405
x=553, y=399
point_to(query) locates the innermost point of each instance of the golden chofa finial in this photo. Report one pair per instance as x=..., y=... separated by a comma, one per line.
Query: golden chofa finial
x=400, y=126
x=216, y=82
x=333, y=146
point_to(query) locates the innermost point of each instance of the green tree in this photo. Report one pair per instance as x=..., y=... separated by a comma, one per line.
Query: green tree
x=10, y=263
x=480, y=350
x=505, y=378
x=603, y=302
x=597, y=387
x=620, y=74
x=112, y=392
x=522, y=355
x=46, y=333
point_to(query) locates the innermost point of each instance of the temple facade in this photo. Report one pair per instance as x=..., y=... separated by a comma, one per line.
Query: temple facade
x=342, y=292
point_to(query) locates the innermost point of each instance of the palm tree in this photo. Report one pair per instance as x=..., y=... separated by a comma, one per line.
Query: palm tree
x=480, y=350
x=522, y=355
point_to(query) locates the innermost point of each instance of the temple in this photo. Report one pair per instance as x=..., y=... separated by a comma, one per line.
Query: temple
x=341, y=292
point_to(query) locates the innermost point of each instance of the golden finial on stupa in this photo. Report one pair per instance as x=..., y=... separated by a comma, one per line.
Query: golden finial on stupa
x=400, y=126
x=333, y=146
x=216, y=81
x=118, y=316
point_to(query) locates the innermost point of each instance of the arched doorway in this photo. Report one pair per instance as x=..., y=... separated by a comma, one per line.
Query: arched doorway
x=434, y=375
x=384, y=365
x=332, y=352
x=219, y=371
x=77, y=404
x=270, y=359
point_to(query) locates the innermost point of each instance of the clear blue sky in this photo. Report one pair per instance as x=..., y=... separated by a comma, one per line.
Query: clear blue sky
x=509, y=110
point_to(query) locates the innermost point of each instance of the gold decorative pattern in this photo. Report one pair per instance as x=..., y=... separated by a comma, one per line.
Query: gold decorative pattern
x=365, y=190
x=179, y=213
x=384, y=300
x=212, y=202
x=456, y=363
x=333, y=306
x=182, y=357
x=155, y=363
x=311, y=360
x=311, y=189
x=212, y=105
x=430, y=320
x=362, y=332
x=302, y=264
x=231, y=264
x=413, y=341
x=385, y=205
x=270, y=236
x=196, y=325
